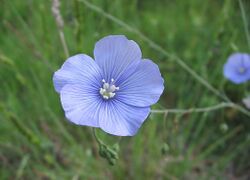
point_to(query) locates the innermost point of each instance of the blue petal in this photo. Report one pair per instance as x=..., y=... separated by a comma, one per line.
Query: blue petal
x=114, y=54
x=143, y=88
x=234, y=63
x=81, y=104
x=77, y=69
x=121, y=119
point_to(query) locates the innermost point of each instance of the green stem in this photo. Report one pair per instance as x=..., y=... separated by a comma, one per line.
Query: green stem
x=243, y=14
x=98, y=140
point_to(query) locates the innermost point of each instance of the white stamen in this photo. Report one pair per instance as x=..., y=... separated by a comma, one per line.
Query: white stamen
x=108, y=89
x=102, y=91
x=106, y=86
x=111, y=94
x=112, y=88
x=105, y=97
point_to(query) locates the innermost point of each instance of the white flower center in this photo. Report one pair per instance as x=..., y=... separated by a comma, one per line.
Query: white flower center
x=241, y=70
x=108, y=89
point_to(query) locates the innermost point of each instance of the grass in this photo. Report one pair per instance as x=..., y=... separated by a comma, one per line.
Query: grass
x=37, y=141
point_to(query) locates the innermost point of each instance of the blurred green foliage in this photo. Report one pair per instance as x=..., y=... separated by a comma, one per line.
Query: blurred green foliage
x=37, y=141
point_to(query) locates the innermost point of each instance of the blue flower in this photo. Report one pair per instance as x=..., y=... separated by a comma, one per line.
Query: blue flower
x=237, y=68
x=114, y=92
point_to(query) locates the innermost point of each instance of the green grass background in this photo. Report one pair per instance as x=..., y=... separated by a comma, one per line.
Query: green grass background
x=37, y=142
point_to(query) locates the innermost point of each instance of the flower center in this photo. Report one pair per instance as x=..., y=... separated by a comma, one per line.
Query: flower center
x=241, y=70
x=108, y=89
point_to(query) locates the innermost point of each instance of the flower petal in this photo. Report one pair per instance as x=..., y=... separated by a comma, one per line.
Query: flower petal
x=114, y=54
x=143, y=88
x=78, y=68
x=81, y=104
x=120, y=119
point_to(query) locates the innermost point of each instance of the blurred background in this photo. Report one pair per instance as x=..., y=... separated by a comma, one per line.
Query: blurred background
x=37, y=142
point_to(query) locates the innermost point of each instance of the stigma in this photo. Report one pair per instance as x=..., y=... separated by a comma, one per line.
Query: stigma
x=108, y=89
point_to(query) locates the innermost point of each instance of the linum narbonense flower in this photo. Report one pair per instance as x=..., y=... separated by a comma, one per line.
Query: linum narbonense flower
x=237, y=68
x=113, y=92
